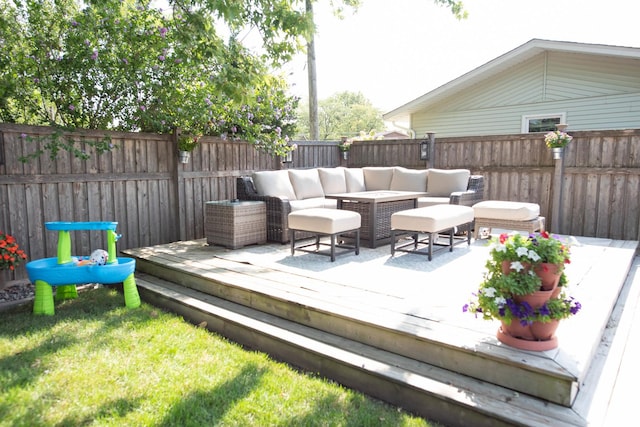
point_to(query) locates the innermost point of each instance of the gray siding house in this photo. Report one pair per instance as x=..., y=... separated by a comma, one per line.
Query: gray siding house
x=530, y=89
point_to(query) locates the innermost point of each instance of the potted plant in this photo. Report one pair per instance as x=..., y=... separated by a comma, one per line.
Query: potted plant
x=186, y=144
x=557, y=140
x=10, y=254
x=513, y=290
x=344, y=146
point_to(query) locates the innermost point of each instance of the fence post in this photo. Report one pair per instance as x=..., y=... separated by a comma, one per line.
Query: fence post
x=556, y=201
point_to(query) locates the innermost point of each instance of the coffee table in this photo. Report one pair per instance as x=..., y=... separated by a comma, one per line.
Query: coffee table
x=375, y=209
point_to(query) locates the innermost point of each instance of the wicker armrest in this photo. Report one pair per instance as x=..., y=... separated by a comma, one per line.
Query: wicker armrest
x=278, y=209
x=473, y=194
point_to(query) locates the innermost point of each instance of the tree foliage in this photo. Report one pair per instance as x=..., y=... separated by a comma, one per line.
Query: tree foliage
x=125, y=65
x=345, y=114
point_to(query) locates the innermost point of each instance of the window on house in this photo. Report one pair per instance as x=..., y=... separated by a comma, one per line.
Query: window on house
x=542, y=123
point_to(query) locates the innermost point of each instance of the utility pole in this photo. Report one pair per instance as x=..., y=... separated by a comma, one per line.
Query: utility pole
x=314, y=129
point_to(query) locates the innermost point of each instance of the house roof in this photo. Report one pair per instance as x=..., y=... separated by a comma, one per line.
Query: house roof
x=501, y=63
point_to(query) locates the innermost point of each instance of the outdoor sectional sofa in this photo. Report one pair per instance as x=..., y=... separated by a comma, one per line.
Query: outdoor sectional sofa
x=289, y=190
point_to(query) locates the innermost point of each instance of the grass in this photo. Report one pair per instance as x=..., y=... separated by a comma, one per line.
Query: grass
x=98, y=363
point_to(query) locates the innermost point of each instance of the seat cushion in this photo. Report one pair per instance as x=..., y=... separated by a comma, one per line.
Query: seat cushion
x=333, y=180
x=306, y=183
x=409, y=179
x=511, y=211
x=325, y=221
x=432, y=218
x=377, y=178
x=423, y=202
x=355, y=180
x=274, y=183
x=443, y=182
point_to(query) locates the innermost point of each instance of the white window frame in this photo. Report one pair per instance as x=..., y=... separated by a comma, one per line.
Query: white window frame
x=527, y=118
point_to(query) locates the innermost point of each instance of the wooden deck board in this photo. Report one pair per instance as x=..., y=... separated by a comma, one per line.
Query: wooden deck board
x=407, y=294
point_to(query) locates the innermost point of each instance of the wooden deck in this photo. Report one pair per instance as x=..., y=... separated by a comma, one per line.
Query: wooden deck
x=393, y=327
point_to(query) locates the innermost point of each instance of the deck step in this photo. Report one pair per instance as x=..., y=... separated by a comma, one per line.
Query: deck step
x=422, y=388
x=435, y=343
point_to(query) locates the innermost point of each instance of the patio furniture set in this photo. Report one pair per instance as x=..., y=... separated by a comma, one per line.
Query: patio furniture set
x=371, y=206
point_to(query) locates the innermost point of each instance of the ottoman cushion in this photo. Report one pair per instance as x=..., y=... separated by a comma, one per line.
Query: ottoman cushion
x=324, y=221
x=432, y=218
x=511, y=211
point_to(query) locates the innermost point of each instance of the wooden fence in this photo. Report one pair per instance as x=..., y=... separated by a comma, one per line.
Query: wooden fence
x=156, y=199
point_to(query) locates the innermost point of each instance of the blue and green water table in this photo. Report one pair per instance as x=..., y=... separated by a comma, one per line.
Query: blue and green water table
x=64, y=273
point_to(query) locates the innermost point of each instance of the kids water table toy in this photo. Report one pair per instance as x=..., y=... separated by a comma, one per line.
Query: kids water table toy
x=64, y=273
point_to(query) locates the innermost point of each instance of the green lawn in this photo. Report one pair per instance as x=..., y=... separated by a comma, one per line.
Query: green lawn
x=98, y=363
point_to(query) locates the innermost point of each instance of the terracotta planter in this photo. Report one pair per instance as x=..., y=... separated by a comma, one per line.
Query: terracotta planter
x=526, y=337
x=544, y=331
x=535, y=299
x=516, y=330
x=549, y=274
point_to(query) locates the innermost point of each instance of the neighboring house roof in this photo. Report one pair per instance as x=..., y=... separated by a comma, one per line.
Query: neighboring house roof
x=502, y=63
x=391, y=134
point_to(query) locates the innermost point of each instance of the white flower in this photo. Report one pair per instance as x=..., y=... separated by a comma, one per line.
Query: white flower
x=533, y=256
x=522, y=251
x=517, y=266
x=490, y=292
x=500, y=301
x=501, y=248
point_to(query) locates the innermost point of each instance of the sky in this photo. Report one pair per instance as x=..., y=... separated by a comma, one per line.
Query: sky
x=393, y=51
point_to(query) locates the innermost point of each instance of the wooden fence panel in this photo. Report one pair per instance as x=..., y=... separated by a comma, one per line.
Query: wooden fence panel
x=155, y=199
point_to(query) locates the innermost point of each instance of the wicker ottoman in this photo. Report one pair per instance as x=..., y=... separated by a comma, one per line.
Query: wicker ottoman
x=234, y=224
x=519, y=216
x=325, y=222
x=435, y=221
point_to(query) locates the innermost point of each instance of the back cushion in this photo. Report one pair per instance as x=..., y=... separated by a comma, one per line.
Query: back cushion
x=333, y=180
x=306, y=183
x=274, y=183
x=355, y=180
x=409, y=179
x=377, y=178
x=443, y=182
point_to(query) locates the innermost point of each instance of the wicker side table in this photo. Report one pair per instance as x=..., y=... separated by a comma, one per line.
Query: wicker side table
x=235, y=224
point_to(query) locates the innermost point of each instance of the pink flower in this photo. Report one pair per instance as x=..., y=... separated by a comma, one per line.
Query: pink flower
x=72, y=107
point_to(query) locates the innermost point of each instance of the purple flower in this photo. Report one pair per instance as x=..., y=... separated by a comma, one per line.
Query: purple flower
x=125, y=60
x=87, y=42
x=163, y=31
x=72, y=107
x=23, y=135
x=161, y=57
x=94, y=55
x=74, y=23
x=143, y=108
x=36, y=80
x=178, y=60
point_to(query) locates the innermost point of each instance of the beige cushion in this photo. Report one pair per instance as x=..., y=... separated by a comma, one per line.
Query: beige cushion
x=306, y=183
x=333, y=180
x=315, y=202
x=326, y=221
x=443, y=182
x=432, y=219
x=409, y=179
x=355, y=180
x=423, y=202
x=511, y=211
x=274, y=183
x=377, y=178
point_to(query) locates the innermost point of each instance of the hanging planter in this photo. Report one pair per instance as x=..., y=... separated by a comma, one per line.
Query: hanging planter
x=557, y=140
x=558, y=152
x=184, y=156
